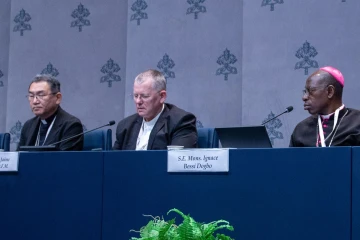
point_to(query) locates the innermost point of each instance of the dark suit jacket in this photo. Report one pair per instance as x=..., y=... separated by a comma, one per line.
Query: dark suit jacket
x=174, y=127
x=65, y=126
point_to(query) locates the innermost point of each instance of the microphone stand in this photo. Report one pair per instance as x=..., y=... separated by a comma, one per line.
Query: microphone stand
x=83, y=133
x=288, y=109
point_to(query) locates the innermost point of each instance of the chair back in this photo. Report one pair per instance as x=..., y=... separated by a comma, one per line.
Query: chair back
x=5, y=141
x=98, y=139
x=207, y=138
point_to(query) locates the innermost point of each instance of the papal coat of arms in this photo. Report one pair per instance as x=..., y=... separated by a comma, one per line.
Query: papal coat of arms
x=138, y=7
x=50, y=70
x=225, y=61
x=80, y=14
x=271, y=3
x=22, y=22
x=272, y=128
x=196, y=7
x=15, y=132
x=110, y=68
x=165, y=65
x=306, y=53
x=1, y=75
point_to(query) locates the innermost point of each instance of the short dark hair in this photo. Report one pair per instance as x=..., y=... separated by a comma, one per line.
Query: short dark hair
x=51, y=80
x=330, y=80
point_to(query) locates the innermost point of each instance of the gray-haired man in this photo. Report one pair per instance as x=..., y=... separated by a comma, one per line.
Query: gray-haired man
x=156, y=124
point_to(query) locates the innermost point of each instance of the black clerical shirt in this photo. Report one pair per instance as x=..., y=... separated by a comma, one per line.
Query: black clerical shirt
x=44, y=127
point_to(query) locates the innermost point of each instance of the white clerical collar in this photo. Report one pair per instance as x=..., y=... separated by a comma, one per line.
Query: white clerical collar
x=47, y=132
x=329, y=115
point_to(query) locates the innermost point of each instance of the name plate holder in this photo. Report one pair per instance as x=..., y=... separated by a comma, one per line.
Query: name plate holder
x=198, y=160
x=9, y=161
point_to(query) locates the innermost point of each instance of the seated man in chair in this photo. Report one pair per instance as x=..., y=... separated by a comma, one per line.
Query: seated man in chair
x=51, y=123
x=331, y=123
x=156, y=124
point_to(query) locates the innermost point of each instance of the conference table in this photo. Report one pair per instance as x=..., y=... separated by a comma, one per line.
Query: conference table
x=289, y=193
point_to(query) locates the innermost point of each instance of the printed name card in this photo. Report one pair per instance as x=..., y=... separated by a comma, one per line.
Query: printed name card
x=198, y=160
x=9, y=161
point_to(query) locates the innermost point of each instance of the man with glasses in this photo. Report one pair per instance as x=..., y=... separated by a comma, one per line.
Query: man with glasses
x=51, y=123
x=331, y=123
x=156, y=124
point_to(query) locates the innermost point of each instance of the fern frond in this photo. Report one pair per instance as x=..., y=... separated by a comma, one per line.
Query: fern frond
x=222, y=237
x=211, y=228
x=163, y=232
x=189, y=229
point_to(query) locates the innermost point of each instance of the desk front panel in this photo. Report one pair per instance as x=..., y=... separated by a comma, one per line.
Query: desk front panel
x=55, y=196
x=268, y=194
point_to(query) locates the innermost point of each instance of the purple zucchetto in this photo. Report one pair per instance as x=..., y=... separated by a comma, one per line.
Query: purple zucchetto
x=335, y=73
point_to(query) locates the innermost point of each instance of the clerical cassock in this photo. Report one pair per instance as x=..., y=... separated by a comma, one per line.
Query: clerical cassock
x=342, y=129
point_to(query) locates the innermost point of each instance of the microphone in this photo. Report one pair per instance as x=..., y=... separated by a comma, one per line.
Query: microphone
x=288, y=109
x=83, y=133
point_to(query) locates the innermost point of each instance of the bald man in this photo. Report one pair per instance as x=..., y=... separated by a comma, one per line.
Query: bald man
x=331, y=123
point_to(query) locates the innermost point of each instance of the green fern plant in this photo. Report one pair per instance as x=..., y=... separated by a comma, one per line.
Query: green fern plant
x=189, y=229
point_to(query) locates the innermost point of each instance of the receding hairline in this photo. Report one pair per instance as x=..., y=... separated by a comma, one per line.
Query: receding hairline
x=326, y=77
x=321, y=76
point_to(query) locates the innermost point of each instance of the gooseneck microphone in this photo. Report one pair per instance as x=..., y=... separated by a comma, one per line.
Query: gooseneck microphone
x=77, y=135
x=288, y=109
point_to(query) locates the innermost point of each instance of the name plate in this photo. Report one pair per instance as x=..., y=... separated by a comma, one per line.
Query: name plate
x=198, y=160
x=9, y=161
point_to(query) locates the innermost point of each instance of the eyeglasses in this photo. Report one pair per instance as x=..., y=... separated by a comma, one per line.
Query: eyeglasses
x=31, y=97
x=140, y=96
x=143, y=97
x=309, y=91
